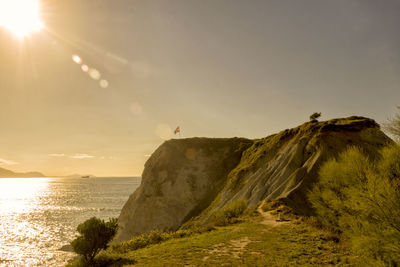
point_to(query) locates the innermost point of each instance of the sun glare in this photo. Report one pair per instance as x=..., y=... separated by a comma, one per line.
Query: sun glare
x=21, y=17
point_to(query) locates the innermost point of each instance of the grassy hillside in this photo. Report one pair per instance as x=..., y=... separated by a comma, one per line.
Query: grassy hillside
x=249, y=244
x=258, y=240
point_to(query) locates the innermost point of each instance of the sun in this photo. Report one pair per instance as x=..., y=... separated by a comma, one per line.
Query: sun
x=20, y=17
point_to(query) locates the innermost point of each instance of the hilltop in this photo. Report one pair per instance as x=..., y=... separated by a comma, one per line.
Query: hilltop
x=186, y=181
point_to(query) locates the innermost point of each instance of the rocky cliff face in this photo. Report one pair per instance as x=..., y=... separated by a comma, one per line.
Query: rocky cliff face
x=193, y=178
x=180, y=179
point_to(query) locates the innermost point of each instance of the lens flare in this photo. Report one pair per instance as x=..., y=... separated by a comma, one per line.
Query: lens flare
x=104, y=83
x=20, y=17
x=77, y=59
x=95, y=74
x=85, y=68
x=164, y=131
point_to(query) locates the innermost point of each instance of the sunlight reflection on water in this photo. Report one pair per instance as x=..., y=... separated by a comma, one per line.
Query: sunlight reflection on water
x=39, y=215
x=17, y=196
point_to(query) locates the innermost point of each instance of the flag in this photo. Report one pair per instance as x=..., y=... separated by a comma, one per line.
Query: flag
x=177, y=130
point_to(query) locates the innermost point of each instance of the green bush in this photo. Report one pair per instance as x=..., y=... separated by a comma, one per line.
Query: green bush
x=361, y=198
x=339, y=180
x=94, y=236
x=230, y=213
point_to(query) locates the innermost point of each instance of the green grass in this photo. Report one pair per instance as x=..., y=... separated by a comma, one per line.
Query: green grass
x=247, y=243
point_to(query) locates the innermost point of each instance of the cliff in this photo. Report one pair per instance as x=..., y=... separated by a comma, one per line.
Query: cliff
x=191, y=179
x=4, y=173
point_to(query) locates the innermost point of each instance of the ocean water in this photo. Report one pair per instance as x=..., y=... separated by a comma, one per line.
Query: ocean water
x=40, y=215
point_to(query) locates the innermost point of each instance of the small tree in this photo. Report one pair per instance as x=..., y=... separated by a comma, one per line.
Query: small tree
x=94, y=236
x=314, y=117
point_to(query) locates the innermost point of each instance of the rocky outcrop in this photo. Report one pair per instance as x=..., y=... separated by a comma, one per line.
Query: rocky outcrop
x=194, y=178
x=180, y=179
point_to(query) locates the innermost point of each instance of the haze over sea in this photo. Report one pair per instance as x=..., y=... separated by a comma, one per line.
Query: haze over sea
x=40, y=215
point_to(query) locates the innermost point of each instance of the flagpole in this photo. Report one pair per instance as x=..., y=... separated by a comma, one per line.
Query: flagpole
x=178, y=130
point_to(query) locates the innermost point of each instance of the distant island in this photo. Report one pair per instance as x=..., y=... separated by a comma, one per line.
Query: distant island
x=4, y=173
x=80, y=176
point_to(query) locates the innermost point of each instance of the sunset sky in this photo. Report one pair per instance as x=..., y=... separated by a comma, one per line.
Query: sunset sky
x=217, y=68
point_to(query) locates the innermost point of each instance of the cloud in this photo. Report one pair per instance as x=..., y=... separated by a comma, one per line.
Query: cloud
x=76, y=156
x=57, y=155
x=82, y=156
x=7, y=162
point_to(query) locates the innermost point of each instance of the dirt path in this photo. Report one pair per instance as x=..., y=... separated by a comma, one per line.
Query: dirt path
x=268, y=218
x=236, y=247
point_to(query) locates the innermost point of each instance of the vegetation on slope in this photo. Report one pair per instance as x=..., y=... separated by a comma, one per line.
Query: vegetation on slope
x=361, y=199
x=252, y=239
x=247, y=243
x=359, y=196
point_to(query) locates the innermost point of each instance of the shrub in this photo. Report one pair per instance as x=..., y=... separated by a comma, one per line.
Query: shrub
x=230, y=213
x=94, y=236
x=361, y=199
x=337, y=179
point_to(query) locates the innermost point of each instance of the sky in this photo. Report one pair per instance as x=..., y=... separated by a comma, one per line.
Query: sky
x=216, y=68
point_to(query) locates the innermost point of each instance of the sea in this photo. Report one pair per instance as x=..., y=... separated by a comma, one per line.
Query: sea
x=39, y=216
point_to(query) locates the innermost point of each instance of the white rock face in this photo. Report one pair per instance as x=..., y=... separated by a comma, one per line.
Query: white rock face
x=180, y=179
x=185, y=177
